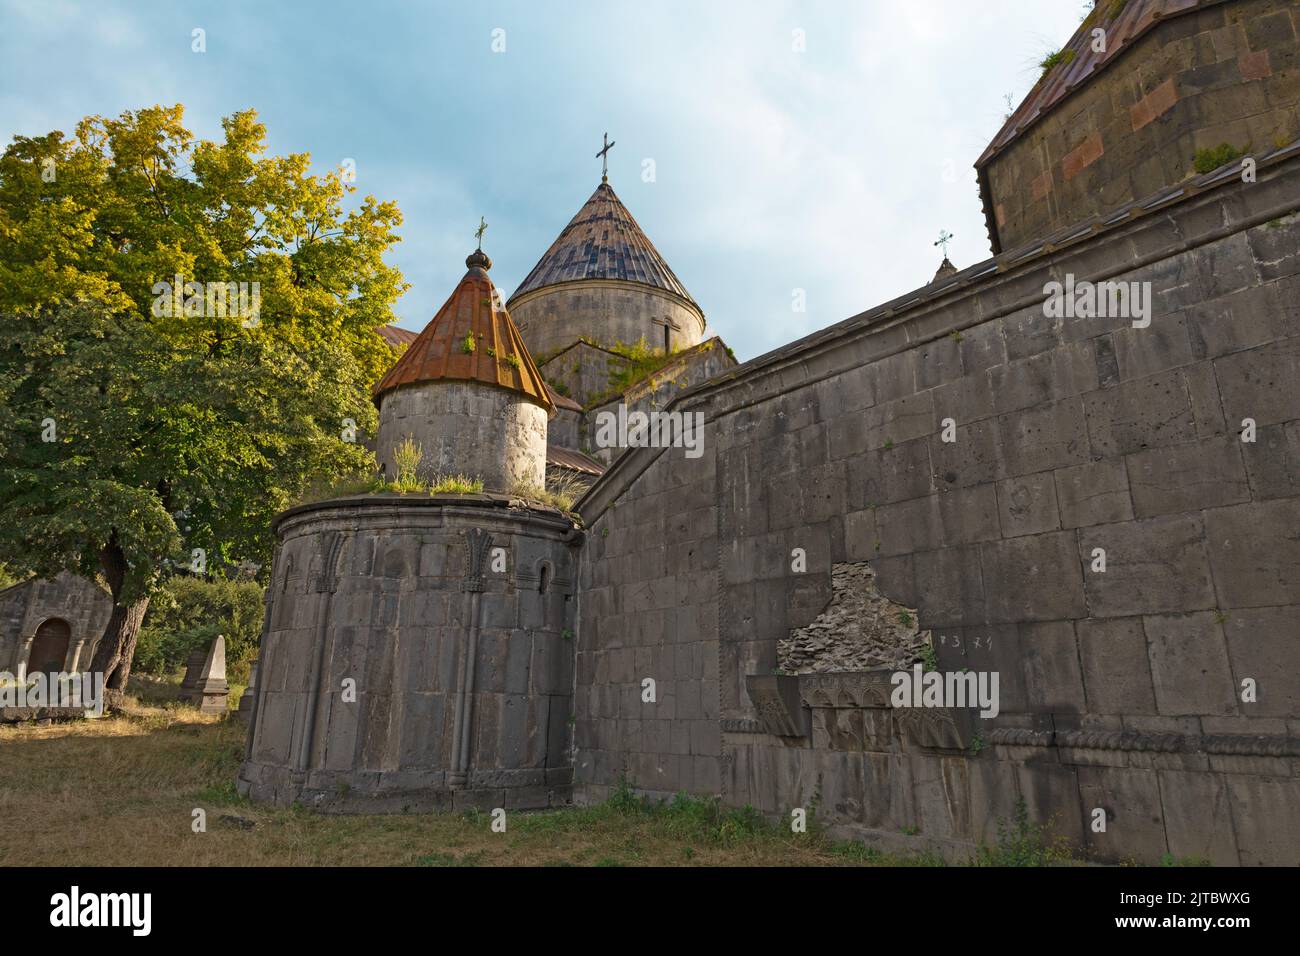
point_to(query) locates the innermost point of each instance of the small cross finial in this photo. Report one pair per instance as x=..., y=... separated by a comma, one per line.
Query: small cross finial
x=482, y=228
x=604, y=159
x=945, y=237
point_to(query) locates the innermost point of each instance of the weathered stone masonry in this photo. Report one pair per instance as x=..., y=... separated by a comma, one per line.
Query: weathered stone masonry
x=1192, y=80
x=463, y=673
x=1119, y=690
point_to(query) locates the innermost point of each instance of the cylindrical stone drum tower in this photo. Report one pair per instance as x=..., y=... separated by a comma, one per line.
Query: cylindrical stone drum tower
x=467, y=393
x=416, y=650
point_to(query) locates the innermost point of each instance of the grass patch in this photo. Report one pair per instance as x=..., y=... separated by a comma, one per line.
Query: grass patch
x=455, y=485
x=1021, y=843
x=1053, y=60
x=1209, y=159
x=642, y=362
x=410, y=485
x=120, y=791
x=563, y=492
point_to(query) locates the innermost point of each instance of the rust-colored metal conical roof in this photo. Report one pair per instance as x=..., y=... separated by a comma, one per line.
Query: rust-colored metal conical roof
x=470, y=339
x=603, y=241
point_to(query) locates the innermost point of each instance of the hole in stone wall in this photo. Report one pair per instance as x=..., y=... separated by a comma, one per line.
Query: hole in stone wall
x=544, y=577
x=860, y=629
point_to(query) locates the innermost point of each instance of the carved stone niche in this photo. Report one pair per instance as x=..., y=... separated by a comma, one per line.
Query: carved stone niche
x=937, y=728
x=776, y=698
x=850, y=710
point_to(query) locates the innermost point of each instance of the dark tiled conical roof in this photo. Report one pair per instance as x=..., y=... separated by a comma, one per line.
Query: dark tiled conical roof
x=442, y=351
x=603, y=241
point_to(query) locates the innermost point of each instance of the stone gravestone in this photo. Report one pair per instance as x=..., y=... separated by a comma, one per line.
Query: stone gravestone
x=248, y=700
x=193, y=667
x=210, y=689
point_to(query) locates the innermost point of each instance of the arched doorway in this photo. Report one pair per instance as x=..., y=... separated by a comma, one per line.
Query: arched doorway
x=49, y=647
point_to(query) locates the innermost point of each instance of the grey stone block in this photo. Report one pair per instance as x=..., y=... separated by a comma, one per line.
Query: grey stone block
x=1053, y=682
x=887, y=475
x=895, y=422
x=909, y=526
x=1192, y=477
x=1189, y=665
x=1035, y=578
x=968, y=515
x=1152, y=566
x=896, y=376
x=1146, y=413
x=1027, y=505
x=1040, y=439
x=1255, y=553
x=860, y=535
x=1093, y=493
x=1116, y=666
x=1160, y=346
x=1047, y=377
x=974, y=458
x=1264, y=645
x=1266, y=815
x=1261, y=384
x=1276, y=247
x=964, y=400
x=949, y=587
x=1203, y=394
x=1228, y=266
x=937, y=362
x=1246, y=320
x=1134, y=819
x=1029, y=332
x=1273, y=461
x=1197, y=817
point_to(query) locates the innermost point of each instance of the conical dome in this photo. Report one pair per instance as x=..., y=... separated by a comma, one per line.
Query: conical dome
x=470, y=339
x=603, y=241
x=604, y=281
x=466, y=398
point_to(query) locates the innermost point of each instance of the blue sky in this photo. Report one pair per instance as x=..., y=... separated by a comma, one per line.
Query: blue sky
x=829, y=170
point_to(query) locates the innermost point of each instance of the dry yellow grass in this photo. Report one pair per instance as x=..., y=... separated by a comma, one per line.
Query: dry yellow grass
x=121, y=792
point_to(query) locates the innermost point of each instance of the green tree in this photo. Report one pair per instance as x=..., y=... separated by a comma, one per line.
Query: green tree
x=142, y=424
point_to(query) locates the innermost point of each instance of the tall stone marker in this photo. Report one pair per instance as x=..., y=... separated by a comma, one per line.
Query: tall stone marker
x=248, y=700
x=210, y=689
x=193, y=668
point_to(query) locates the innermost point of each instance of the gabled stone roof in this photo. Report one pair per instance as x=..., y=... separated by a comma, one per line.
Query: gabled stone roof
x=603, y=241
x=1124, y=23
x=573, y=460
x=442, y=351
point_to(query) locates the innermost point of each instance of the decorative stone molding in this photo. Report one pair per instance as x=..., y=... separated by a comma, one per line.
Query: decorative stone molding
x=323, y=577
x=937, y=728
x=1020, y=737
x=477, y=541
x=867, y=689
x=776, y=698
x=1133, y=740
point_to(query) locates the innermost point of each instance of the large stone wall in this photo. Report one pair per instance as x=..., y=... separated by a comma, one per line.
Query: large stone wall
x=584, y=371
x=604, y=310
x=1229, y=73
x=465, y=428
x=408, y=599
x=1120, y=691
x=648, y=611
x=655, y=391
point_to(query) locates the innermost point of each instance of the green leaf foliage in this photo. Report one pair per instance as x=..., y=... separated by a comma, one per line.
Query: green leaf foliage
x=174, y=426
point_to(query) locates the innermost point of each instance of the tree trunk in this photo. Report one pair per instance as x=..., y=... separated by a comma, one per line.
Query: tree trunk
x=117, y=646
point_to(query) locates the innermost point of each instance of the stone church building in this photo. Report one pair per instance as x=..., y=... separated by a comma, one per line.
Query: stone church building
x=1098, y=505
